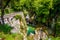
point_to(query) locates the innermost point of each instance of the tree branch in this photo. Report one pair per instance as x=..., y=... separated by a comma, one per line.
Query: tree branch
x=6, y=4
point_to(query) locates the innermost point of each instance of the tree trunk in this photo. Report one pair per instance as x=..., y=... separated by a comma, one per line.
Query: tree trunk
x=2, y=12
x=2, y=15
x=2, y=9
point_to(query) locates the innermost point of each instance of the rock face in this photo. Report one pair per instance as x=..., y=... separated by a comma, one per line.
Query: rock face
x=13, y=23
x=10, y=20
x=16, y=26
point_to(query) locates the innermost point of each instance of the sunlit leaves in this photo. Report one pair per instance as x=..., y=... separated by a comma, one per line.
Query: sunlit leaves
x=40, y=7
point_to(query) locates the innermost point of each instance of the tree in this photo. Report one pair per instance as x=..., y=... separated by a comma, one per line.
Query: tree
x=3, y=6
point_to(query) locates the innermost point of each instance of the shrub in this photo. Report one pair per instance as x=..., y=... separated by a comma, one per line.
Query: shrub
x=5, y=28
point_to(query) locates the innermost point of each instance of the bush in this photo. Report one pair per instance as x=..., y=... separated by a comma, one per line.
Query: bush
x=5, y=28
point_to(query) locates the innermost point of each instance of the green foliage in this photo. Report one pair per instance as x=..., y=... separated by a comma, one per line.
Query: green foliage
x=17, y=17
x=25, y=12
x=30, y=29
x=18, y=5
x=0, y=12
x=5, y=28
x=10, y=36
x=40, y=7
x=8, y=10
x=58, y=29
